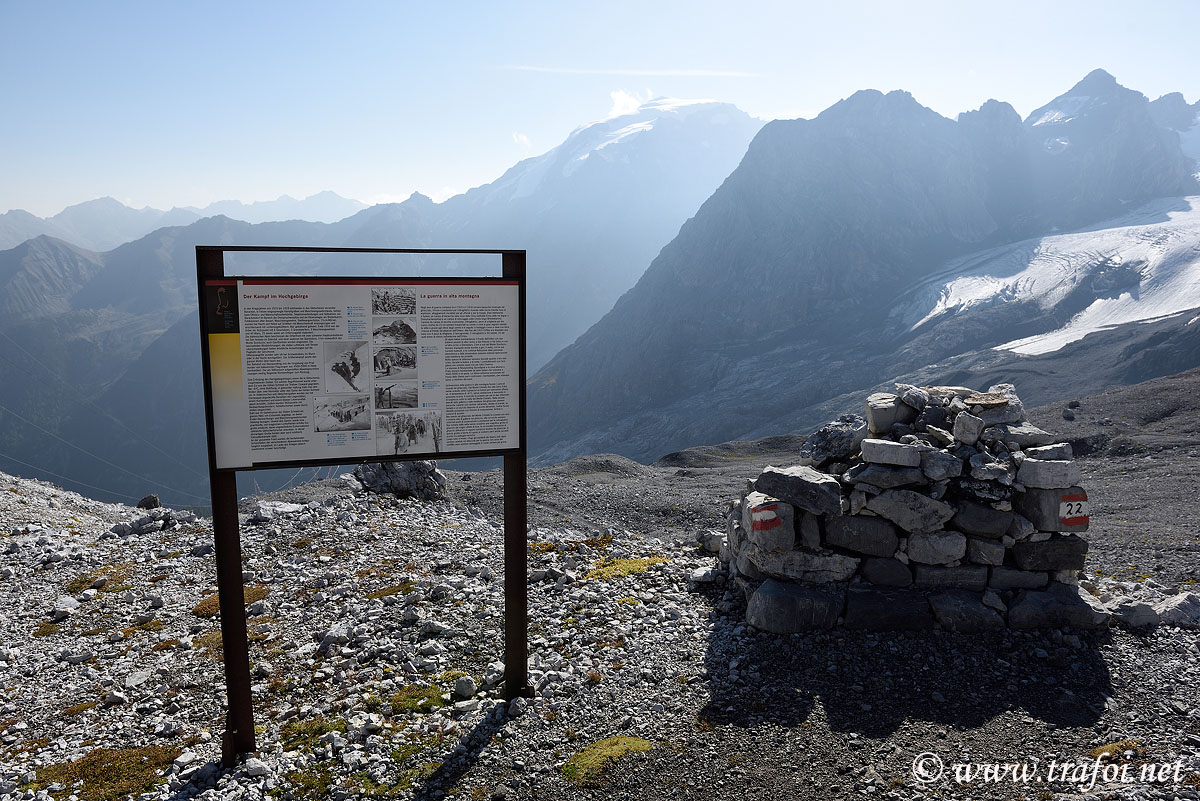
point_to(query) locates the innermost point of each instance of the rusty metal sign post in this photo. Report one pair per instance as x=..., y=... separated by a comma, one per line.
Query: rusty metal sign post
x=219, y=317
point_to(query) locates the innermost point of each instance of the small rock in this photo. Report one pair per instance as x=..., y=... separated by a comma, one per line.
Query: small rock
x=1048, y=473
x=256, y=767
x=967, y=428
x=64, y=607
x=886, y=452
x=149, y=502
x=706, y=575
x=136, y=679
x=1133, y=612
x=465, y=687
x=937, y=547
x=1181, y=610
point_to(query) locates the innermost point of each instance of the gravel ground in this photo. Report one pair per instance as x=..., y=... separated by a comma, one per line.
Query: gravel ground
x=372, y=618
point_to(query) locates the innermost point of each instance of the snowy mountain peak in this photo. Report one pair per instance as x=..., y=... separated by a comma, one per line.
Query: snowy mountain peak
x=1096, y=90
x=607, y=140
x=595, y=135
x=669, y=105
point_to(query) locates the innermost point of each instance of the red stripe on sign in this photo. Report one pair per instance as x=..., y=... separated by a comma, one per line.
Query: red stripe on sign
x=1079, y=496
x=766, y=507
x=766, y=525
x=1074, y=521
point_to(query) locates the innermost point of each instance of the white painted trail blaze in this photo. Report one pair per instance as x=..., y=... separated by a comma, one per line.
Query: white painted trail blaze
x=765, y=517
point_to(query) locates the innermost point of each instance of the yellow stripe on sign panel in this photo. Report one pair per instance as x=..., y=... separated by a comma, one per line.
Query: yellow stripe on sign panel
x=225, y=366
x=231, y=419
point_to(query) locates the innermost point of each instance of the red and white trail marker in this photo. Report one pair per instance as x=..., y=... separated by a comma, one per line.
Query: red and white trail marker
x=1073, y=509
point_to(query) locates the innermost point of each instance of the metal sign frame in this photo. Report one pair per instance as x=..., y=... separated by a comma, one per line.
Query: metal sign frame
x=239, y=736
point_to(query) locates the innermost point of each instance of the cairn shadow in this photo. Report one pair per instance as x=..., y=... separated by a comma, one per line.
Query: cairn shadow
x=871, y=683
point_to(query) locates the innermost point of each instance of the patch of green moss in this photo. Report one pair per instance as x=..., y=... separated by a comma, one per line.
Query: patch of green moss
x=421, y=773
x=361, y=785
x=403, y=588
x=107, y=774
x=210, y=644
x=79, y=709
x=610, y=569
x=415, y=698
x=588, y=767
x=305, y=733
x=406, y=752
x=116, y=577
x=211, y=605
x=45, y=630
x=149, y=625
x=80, y=583
x=308, y=784
x=1116, y=751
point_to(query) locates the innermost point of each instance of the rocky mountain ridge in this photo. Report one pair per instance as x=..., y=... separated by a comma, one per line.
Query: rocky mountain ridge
x=777, y=296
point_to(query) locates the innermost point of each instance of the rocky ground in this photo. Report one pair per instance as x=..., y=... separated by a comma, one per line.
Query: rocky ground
x=376, y=630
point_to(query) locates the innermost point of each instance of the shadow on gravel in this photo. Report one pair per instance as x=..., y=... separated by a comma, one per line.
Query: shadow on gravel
x=872, y=682
x=460, y=761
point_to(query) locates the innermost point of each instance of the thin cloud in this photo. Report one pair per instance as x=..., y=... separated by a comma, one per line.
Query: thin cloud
x=522, y=140
x=445, y=193
x=636, y=73
x=626, y=102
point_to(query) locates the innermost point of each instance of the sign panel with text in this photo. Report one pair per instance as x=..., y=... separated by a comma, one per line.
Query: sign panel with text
x=331, y=370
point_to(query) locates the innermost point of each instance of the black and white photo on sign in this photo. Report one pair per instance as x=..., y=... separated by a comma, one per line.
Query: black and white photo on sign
x=395, y=331
x=398, y=433
x=345, y=366
x=393, y=300
x=341, y=413
x=396, y=394
x=397, y=362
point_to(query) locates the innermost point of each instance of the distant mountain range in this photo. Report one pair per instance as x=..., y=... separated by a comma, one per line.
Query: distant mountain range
x=881, y=239
x=101, y=349
x=104, y=223
x=792, y=270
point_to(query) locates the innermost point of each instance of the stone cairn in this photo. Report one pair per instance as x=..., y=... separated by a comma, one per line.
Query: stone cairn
x=944, y=507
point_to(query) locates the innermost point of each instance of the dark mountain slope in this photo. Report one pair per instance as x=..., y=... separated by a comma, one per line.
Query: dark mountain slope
x=42, y=277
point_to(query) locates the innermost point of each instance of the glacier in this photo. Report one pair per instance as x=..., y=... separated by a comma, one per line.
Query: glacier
x=1155, y=249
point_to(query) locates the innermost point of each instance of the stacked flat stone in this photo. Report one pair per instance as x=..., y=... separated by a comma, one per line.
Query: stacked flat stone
x=944, y=506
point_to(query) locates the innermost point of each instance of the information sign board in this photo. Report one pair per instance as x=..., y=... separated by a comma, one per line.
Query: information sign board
x=307, y=370
x=325, y=371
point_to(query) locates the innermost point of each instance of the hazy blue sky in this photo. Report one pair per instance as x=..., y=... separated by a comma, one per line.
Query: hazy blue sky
x=169, y=102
